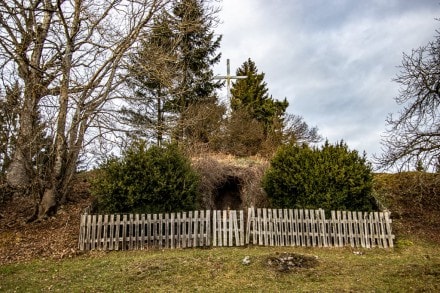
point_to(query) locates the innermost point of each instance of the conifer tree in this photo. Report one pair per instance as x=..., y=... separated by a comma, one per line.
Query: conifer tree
x=173, y=69
x=196, y=48
x=151, y=75
x=331, y=177
x=251, y=95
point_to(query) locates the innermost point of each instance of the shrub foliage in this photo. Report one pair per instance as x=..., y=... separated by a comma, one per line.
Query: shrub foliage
x=147, y=180
x=331, y=177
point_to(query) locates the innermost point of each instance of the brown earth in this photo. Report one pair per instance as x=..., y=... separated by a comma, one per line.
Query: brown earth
x=57, y=237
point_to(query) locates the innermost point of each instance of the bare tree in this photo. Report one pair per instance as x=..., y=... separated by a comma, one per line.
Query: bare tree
x=67, y=57
x=414, y=136
x=298, y=131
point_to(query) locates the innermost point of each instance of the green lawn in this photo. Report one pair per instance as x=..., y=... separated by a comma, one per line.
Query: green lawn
x=411, y=266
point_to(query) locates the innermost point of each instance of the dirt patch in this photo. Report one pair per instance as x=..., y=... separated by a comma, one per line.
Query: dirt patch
x=288, y=262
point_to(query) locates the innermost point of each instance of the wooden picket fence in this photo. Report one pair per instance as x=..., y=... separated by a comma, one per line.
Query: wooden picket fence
x=268, y=227
x=283, y=227
x=173, y=230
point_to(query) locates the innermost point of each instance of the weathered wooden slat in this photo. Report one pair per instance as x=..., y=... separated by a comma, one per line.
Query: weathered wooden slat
x=285, y=227
x=390, y=236
x=297, y=227
x=229, y=223
x=242, y=229
x=291, y=230
x=250, y=223
x=371, y=233
x=81, y=232
x=323, y=231
x=351, y=230
x=214, y=228
x=208, y=228
x=313, y=233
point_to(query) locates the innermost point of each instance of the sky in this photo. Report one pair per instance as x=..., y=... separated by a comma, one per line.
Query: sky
x=334, y=60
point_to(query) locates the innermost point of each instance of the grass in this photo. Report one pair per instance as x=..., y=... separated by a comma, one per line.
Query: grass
x=414, y=265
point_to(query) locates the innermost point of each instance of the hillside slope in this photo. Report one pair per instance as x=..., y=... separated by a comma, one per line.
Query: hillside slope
x=412, y=198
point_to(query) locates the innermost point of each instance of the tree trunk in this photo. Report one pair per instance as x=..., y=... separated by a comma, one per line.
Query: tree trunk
x=18, y=174
x=48, y=203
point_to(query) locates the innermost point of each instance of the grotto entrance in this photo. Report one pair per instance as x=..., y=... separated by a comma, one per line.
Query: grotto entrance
x=228, y=194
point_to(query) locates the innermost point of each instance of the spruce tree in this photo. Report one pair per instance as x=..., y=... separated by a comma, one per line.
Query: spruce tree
x=251, y=94
x=260, y=112
x=150, y=76
x=172, y=70
x=196, y=49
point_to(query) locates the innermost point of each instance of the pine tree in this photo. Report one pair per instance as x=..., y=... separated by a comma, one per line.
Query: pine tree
x=260, y=114
x=251, y=95
x=151, y=74
x=196, y=49
x=172, y=70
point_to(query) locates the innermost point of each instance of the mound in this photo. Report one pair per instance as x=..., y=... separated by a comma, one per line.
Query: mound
x=414, y=201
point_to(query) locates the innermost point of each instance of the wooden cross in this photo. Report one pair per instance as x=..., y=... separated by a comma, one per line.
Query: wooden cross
x=228, y=78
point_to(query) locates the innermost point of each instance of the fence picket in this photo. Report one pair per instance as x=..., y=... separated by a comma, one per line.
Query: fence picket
x=250, y=220
x=265, y=227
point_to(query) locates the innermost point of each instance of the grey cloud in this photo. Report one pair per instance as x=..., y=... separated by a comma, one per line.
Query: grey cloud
x=333, y=62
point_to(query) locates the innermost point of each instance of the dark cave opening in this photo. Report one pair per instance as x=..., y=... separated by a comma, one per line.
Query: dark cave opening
x=228, y=194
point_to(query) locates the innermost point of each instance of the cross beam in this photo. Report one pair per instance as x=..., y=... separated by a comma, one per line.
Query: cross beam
x=228, y=78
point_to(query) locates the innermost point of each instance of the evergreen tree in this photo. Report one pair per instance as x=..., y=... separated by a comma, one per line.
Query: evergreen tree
x=151, y=74
x=256, y=124
x=251, y=95
x=172, y=70
x=196, y=49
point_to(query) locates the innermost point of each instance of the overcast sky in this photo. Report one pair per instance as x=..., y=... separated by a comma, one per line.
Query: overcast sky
x=334, y=60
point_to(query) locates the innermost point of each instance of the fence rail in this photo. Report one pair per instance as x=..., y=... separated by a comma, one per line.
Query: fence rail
x=268, y=227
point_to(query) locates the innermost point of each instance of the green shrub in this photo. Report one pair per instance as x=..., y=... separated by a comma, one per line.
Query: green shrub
x=146, y=181
x=332, y=178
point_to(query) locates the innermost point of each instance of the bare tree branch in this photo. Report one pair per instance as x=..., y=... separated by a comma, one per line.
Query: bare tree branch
x=415, y=134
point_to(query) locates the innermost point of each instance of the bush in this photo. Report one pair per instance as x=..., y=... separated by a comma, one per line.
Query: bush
x=332, y=178
x=146, y=181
